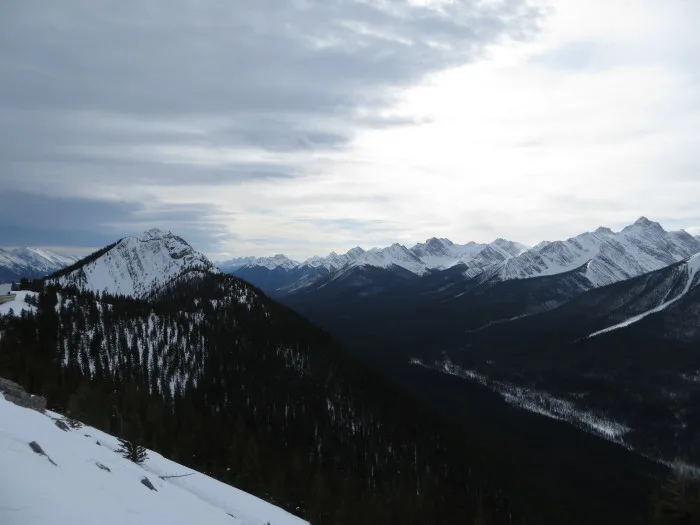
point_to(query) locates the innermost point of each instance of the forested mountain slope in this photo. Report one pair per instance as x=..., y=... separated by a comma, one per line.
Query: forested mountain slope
x=213, y=374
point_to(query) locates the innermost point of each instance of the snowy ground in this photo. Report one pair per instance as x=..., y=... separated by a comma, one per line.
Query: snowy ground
x=17, y=304
x=76, y=491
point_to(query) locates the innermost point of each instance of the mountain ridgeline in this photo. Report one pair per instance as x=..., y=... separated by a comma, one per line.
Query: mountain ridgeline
x=601, y=257
x=30, y=263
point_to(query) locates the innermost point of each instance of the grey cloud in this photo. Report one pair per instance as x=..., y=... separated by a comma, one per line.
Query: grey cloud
x=167, y=91
x=192, y=57
x=41, y=220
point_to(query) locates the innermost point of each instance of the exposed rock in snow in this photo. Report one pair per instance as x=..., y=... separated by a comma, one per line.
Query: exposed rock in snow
x=14, y=393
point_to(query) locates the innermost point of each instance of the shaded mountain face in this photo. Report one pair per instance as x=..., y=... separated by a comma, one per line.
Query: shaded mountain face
x=30, y=263
x=134, y=266
x=625, y=354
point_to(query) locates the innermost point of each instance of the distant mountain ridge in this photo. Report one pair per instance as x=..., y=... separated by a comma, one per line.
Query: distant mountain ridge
x=135, y=266
x=602, y=257
x=641, y=247
x=31, y=263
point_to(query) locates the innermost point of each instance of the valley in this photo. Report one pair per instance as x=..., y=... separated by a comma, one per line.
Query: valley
x=560, y=342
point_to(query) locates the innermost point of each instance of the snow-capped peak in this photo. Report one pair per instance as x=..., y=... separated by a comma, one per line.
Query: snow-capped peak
x=136, y=266
x=434, y=247
x=153, y=234
x=355, y=253
x=31, y=262
x=643, y=222
x=442, y=253
x=394, y=255
x=231, y=265
x=609, y=257
x=276, y=261
x=333, y=261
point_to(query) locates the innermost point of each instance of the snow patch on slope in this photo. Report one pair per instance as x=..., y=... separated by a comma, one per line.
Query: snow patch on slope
x=77, y=492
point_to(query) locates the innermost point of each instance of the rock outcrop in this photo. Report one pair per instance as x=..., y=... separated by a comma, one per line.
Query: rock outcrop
x=17, y=395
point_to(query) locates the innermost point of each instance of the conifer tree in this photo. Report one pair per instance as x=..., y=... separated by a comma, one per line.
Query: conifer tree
x=132, y=451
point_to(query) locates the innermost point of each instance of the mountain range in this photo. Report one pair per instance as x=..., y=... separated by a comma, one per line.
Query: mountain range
x=562, y=323
x=30, y=263
x=602, y=257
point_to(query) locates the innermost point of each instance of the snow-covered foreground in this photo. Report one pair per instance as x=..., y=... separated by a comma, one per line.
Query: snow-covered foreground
x=76, y=491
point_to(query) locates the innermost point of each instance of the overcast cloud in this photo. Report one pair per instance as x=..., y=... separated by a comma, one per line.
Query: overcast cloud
x=315, y=125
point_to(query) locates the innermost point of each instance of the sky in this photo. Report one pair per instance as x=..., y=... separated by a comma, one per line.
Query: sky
x=309, y=126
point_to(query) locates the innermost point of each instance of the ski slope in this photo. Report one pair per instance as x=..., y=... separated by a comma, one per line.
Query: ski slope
x=76, y=491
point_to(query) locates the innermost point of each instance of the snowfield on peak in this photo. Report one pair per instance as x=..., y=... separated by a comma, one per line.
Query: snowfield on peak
x=90, y=483
x=605, y=256
x=276, y=261
x=136, y=266
x=394, y=255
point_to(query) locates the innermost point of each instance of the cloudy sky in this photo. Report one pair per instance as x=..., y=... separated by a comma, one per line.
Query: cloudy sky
x=305, y=126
